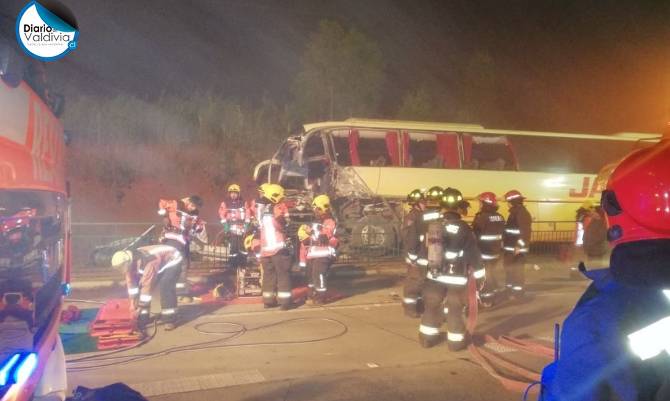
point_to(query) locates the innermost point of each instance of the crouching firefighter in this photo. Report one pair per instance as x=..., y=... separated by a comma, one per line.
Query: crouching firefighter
x=145, y=267
x=448, y=251
x=416, y=275
x=615, y=343
x=271, y=213
x=320, y=241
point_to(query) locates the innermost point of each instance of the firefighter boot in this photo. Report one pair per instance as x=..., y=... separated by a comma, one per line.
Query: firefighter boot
x=427, y=341
x=411, y=310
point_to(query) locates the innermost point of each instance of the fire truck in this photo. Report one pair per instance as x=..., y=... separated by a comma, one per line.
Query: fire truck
x=34, y=234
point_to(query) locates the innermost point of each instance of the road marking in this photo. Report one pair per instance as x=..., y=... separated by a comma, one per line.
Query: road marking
x=198, y=383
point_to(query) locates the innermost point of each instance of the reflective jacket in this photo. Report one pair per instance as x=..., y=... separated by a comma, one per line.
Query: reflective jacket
x=272, y=226
x=148, y=263
x=488, y=227
x=517, y=230
x=596, y=360
x=180, y=225
x=235, y=214
x=322, y=240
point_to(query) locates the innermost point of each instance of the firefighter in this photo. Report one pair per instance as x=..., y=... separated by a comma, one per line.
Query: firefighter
x=143, y=268
x=235, y=218
x=488, y=227
x=433, y=198
x=516, y=242
x=272, y=215
x=449, y=250
x=416, y=275
x=615, y=342
x=182, y=224
x=321, y=244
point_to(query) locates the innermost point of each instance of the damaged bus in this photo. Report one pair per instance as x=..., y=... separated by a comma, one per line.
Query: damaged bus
x=368, y=167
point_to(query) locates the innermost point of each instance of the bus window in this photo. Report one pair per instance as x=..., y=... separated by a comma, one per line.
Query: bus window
x=373, y=149
x=567, y=155
x=488, y=152
x=341, y=147
x=316, y=160
x=432, y=150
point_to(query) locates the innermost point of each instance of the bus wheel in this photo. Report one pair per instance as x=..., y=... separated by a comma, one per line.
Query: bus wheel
x=373, y=236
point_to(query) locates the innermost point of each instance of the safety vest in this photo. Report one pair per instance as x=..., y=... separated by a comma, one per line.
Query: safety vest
x=272, y=234
x=319, y=248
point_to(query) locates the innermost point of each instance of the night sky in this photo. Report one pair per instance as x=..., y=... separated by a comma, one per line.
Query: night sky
x=585, y=66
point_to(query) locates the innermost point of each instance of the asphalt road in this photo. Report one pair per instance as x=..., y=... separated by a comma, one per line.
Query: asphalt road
x=358, y=348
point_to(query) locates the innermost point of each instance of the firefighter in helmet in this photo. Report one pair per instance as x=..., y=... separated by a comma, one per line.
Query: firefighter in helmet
x=235, y=219
x=272, y=214
x=449, y=251
x=488, y=227
x=145, y=267
x=320, y=244
x=615, y=342
x=516, y=242
x=412, y=228
x=433, y=198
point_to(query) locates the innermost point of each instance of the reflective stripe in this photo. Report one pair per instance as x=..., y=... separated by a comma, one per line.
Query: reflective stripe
x=513, y=197
x=455, y=280
x=512, y=231
x=302, y=264
x=490, y=237
x=310, y=285
x=412, y=256
x=140, y=271
x=451, y=255
x=429, y=331
x=409, y=300
x=517, y=288
x=481, y=273
x=422, y=237
x=509, y=248
x=580, y=234
x=321, y=281
x=180, y=285
x=446, y=310
x=456, y=337
x=452, y=228
x=318, y=252
x=174, y=262
x=431, y=216
x=170, y=311
x=133, y=291
x=268, y=294
x=489, y=257
x=408, y=261
x=521, y=242
x=321, y=289
x=422, y=262
x=284, y=294
x=144, y=312
x=145, y=298
x=523, y=250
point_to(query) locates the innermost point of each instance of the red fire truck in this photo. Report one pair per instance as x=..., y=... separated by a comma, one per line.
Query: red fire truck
x=34, y=234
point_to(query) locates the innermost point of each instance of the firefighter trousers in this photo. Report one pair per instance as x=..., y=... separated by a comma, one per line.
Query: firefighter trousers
x=167, y=280
x=411, y=290
x=515, y=277
x=318, y=270
x=492, y=282
x=236, y=250
x=435, y=308
x=277, y=279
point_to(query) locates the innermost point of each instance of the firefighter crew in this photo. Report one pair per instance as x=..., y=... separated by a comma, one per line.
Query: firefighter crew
x=488, y=227
x=416, y=275
x=275, y=258
x=143, y=268
x=182, y=223
x=320, y=243
x=449, y=250
x=235, y=218
x=615, y=342
x=516, y=242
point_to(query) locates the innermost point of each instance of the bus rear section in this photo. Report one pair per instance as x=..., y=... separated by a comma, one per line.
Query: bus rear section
x=34, y=245
x=369, y=166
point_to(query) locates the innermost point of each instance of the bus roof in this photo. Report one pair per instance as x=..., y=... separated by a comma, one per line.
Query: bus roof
x=469, y=128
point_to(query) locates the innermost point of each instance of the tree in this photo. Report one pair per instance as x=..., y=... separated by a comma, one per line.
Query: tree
x=418, y=105
x=342, y=75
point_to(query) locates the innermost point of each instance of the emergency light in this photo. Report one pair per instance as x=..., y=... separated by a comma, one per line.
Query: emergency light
x=18, y=368
x=653, y=339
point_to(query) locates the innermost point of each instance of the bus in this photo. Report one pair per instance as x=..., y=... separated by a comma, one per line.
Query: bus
x=34, y=235
x=368, y=167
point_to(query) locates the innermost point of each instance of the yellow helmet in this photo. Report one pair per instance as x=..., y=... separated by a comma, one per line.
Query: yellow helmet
x=234, y=188
x=587, y=204
x=303, y=232
x=120, y=258
x=272, y=192
x=321, y=202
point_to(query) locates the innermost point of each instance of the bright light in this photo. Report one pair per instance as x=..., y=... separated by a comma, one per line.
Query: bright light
x=555, y=182
x=25, y=369
x=667, y=294
x=651, y=340
x=4, y=372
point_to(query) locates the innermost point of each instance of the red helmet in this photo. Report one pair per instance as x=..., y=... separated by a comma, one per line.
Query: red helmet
x=512, y=195
x=488, y=197
x=637, y=198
